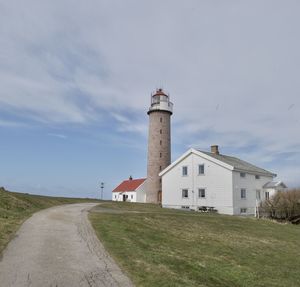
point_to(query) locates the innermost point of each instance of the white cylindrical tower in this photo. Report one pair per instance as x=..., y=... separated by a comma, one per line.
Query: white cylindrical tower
x=159, y=143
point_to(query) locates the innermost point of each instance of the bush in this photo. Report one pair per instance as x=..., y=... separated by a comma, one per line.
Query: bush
x=283, y=205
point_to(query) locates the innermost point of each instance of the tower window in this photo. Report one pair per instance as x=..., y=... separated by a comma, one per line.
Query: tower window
x=160, y=142
x=160, y=154
x=160, y=131
x=160, y=167
x=161, y=120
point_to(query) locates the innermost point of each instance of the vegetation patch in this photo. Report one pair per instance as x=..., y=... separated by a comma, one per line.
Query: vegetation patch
x=16, y=207
x=163, y=247
x=284, y=205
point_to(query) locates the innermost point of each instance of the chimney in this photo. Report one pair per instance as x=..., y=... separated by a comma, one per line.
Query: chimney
x=130, y=177
x=214, y=149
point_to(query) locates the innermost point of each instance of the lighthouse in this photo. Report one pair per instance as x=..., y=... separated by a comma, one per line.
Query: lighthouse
x=159, y=143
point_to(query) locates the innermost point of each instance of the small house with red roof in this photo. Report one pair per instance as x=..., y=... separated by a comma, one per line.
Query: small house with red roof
x=131, y=190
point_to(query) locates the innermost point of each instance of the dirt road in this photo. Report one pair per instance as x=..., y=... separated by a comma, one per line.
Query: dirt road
x=57, y=247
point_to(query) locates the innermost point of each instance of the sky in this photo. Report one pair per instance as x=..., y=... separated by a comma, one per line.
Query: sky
x=76, y=79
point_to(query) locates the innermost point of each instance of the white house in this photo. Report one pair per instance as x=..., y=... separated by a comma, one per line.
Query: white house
x=272, y=187
x=132, y=190
x=202, y=180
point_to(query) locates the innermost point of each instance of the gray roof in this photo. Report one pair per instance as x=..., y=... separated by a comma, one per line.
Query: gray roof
x=239, y=164
x=274, y=184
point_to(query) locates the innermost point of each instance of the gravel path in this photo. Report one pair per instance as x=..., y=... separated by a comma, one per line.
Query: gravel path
x=57, y=247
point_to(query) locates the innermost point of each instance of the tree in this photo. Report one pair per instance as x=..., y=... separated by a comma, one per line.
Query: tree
x=283, y=205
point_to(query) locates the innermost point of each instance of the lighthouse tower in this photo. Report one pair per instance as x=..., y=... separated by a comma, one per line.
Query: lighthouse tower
x=159, y=143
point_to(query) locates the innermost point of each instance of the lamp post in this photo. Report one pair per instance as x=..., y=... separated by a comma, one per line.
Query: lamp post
x=102, y=187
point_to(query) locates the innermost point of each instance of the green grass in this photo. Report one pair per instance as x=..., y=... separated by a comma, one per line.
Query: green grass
x=16, y=207
x=161, y=247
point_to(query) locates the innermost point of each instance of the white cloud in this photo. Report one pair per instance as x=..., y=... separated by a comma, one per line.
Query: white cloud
x=57, y=135
x=11, y=124
x=233, y=80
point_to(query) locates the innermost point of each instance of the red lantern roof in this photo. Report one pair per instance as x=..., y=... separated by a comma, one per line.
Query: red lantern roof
x=160, y=92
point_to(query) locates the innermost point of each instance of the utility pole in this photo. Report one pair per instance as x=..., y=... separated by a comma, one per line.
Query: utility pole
x=102, y=187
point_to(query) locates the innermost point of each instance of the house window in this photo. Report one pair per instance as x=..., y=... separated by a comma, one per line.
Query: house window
x=160, y=131
x=184, y=171
x=185, y=193
x=257, y=176
x=201, y=193
x=201, y=169
x=115, y=196
x=267, y=195
x=132, y=196
x=243, y=210
x=258, y=194
x=185, y=207
x=243, y=193
x=242, y=174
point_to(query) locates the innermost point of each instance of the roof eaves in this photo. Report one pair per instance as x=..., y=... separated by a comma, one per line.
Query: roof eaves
x=181, y=158
x=266, y=173
x=141, y=183
x=116, y=189
x=199, y=153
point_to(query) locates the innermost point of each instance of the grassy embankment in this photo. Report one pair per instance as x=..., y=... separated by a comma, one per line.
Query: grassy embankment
x=159, y=247
x=16, y=207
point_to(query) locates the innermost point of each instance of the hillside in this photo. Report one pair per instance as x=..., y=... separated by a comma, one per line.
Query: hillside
x=16, y=207
x=162, y=247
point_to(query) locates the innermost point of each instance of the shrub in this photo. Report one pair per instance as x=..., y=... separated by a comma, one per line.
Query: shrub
x=283, y=205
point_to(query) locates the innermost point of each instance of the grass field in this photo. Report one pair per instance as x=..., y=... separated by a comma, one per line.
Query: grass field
x=160, y=247
x=16, y=207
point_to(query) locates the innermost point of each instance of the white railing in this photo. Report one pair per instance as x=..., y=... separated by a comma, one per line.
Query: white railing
x=164, y=106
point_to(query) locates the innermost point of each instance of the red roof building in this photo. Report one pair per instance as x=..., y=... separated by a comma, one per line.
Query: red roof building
x=132, y=190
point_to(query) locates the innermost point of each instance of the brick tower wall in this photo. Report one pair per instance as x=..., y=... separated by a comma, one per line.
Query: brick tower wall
x=159, y=152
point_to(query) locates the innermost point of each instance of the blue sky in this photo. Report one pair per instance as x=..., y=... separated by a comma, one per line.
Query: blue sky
x=76, y=83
